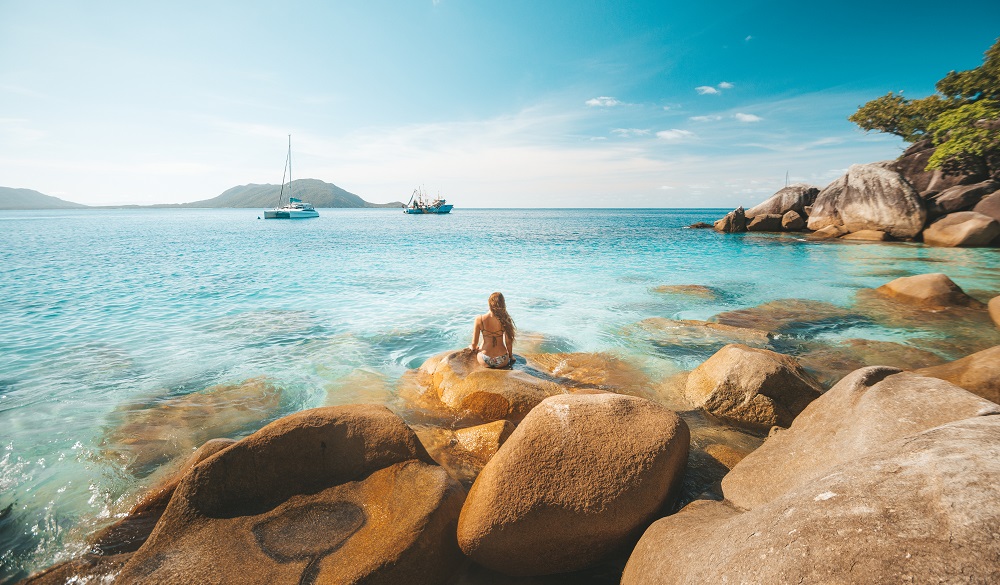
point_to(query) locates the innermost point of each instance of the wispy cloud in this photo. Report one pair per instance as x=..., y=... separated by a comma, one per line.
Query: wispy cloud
x=603, y=101
x=705, y=118
x=674, y=134
x=626, y=132
x=747, y=117
x=726, y=85
x=706, y=90
x=749, y=38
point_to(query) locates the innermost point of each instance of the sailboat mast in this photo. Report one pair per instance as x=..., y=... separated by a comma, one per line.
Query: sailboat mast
x=289, y=167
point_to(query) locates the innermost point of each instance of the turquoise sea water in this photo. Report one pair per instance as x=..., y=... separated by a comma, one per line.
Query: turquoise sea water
x=111, y=309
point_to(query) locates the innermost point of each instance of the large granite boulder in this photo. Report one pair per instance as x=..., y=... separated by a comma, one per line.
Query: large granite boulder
x=870, y=197
x=866, y=410
x=732, y=223
x=329, y=495
x=930, y=291
x=959, y=198
x=792, y=222
x=455, y=383
x=967, y=229
x=765, y=222
x=978, y=373
x=151, y=432
x=751, y=387
x=791, y=198
x=919, y=509
x=989, y=205
x=576, y=480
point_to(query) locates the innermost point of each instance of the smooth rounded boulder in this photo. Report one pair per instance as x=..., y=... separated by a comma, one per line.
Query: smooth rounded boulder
x=867, y=409
x=752, y=387
x=978, y=373
x=989, y=206
x=794, y=197
x=580, y=476
x=765, y=222
x=931, y=291
x=965, y=229
x=870, y=197
x=920, y=509
x=793, y=222
x=328, y=495
x=961, y=197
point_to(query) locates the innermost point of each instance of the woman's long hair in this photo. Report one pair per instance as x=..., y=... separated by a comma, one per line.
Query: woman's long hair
x=499, y=309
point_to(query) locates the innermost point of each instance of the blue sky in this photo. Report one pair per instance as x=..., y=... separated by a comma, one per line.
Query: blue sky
x=543, y=103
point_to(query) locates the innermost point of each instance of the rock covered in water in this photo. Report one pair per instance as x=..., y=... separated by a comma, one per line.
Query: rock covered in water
x=464, y=452
x=765, y=222
x=691, y=290
x=869, y=408
x=734, y=222
x=791, y=198
x=921, y=509
x=928, y=290
x=978, y=373
x=960, y=198
x=455, y=382
x=967, y=229
x=752, y=387
x=785, y=314
x=870, y=197
x=830, y=363
x=573, y=483
x=700, y=225
x=329, y=495
x=792, y=221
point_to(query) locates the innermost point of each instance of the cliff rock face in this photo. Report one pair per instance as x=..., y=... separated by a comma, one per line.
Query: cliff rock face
x=870, y=197
x=792, y=198
x=960, y=198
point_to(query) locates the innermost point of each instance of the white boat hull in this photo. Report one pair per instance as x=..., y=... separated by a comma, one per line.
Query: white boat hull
x=290, y=213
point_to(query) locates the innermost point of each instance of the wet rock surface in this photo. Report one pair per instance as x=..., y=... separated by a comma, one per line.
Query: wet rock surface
x=571, y=485
x=829, y=363
x=788, y=315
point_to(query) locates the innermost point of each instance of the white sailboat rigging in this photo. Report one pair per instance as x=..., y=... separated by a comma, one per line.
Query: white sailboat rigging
x=295, y=208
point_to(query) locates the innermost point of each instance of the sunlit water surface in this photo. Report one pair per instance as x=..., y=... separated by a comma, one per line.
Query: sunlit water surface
x=103, y=309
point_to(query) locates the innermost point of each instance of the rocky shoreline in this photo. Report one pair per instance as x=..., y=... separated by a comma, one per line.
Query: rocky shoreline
x=885, y=201
x=580, y=467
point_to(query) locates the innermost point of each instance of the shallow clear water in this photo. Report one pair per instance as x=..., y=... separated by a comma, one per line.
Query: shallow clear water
x=108, y=308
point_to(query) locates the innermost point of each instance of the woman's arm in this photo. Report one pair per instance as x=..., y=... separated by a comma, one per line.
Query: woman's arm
x=475, y=335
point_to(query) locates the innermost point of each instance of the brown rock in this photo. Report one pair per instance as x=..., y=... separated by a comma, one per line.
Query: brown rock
x=994, y=308
x=960, y=197
x=830, y=363
x=156, y=431
x=455, y=383
x=88, y=568
x=870, y=197
x=752, y=387
x=920, y=509
x=967, y=229
x=579, y=476
x=734, y=222
x=329, y=495
x=793, y=222
x=827, y=233
x=581, y=371
x=868, y=409
x=791, y=198
x=785, y=314
x=700, y=225
x=464, y=453
x=978, y=373
x=989, y=206
x=725, y=454
x=913, y=164
x=765, y=222
x=928, y=290
x=867, y=235
x=691, y=290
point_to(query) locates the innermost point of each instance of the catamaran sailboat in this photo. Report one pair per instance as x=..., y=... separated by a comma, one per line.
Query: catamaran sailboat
x=295, y=208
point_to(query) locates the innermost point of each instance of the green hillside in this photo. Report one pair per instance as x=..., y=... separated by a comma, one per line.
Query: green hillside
x=27, y=199
x=319, y=193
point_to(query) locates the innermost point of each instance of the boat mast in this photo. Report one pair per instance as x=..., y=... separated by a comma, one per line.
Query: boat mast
x=289, y=168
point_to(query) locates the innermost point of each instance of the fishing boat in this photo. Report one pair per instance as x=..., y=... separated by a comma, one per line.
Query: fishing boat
x=419, y=204
x=295, y=208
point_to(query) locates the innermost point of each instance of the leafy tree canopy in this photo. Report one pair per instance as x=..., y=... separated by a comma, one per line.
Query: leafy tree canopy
x=962, y=118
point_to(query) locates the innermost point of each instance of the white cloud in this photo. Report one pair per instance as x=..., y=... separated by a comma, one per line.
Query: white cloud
x=705, y=118
x=625, y=132
x=726, y=85
x=747, y=117
x=749, y=38
x=706, y=90
x=603, y=101
x=666, y=188
x=674, y=134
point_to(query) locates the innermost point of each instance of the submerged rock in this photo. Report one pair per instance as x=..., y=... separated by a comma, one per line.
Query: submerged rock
x=870, y=197
x=573, y=483
x=752, y=387
x=464, y=452
x=791, y=198
x=582, y=371
x=329, y=495
x=978, y=373
x=692, y=290
x=921, y=509
x=153, y=433
x=787, y=314
x=967, y=229
x=830, y=363
x=934, y=290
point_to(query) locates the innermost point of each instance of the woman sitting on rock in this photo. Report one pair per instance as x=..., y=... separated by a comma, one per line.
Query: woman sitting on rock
x=497, y=329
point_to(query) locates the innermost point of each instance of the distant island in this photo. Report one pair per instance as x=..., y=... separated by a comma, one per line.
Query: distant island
x=315, y=191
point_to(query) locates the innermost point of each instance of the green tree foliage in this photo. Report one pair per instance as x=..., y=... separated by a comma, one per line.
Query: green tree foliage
x=962, y=119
